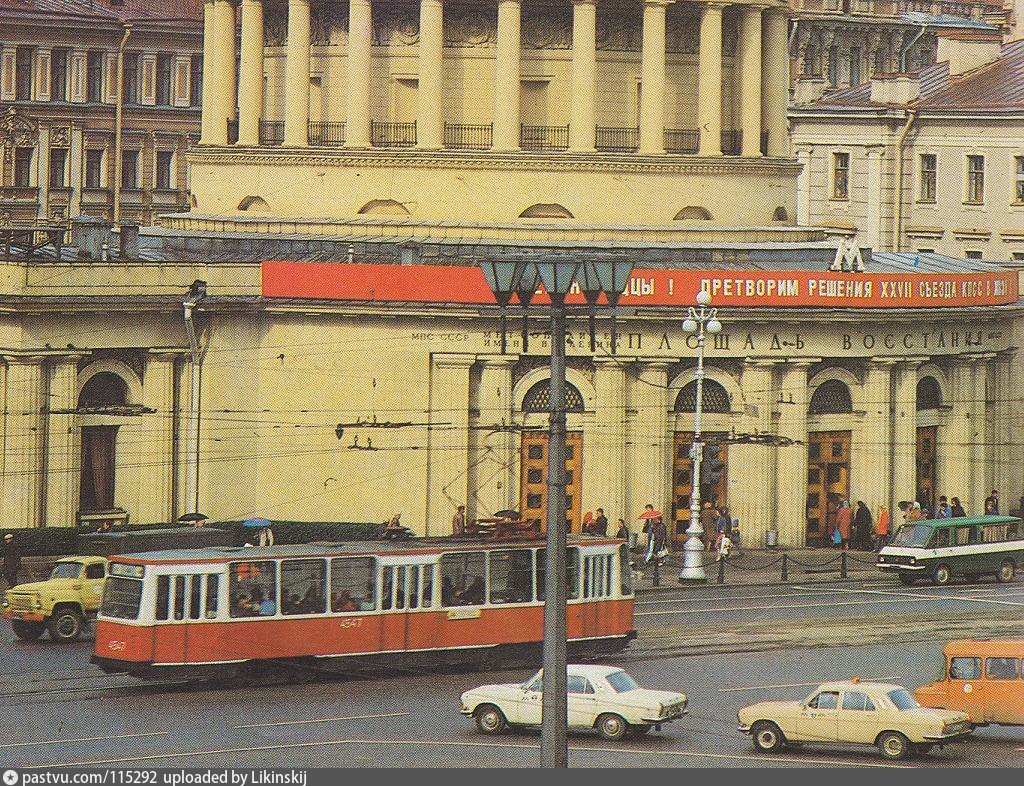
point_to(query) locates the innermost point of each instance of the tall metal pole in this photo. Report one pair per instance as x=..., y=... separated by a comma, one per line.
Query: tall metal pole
x=554, y=747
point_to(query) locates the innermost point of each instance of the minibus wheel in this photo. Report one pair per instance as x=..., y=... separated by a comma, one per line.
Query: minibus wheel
x=1006, y=571
x=942, y=575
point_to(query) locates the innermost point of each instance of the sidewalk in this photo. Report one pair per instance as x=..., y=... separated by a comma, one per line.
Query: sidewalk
x=752, y=567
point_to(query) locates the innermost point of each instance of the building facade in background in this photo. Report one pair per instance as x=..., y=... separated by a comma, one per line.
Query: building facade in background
x=62, y=102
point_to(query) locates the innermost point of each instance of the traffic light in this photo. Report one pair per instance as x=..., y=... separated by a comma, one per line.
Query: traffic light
x=711, y=465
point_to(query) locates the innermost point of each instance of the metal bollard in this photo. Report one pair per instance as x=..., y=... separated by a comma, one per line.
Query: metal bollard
x=842, y=566
x=785, y=567
x=721, y=570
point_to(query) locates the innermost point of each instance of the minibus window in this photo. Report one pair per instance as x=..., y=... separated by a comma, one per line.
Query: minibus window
x=941, y=538
x=912, y=535
x=962, y=536
x=1013, y=530
x=964, y=668
x=1001, y=668
x=993, y=533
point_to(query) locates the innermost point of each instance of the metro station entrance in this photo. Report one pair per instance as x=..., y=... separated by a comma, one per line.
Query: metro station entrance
x=682, y=481
x=533, y=483
x=828, y=481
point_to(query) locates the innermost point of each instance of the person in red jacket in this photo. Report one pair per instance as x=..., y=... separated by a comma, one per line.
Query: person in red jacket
x=844, y=522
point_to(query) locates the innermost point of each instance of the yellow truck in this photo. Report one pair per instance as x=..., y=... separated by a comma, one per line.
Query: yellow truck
x=61, y=604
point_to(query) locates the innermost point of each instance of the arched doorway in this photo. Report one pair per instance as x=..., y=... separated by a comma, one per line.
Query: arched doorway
x=533, y=462
x=828, y=461
x=929, y=400
x=101, y=393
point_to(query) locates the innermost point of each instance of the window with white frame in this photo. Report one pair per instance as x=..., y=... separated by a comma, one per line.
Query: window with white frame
x=975, y=179
x=840, y=176
x=929, y=173
x=164, y=169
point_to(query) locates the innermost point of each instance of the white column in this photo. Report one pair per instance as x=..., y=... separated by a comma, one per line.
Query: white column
x=156, y=452
x=209, y=67
x=250, y=87
x=606, y=488
x=62, y=444
x=296, y=98
x=652, y=444
x=1004, y=471
x=360, y=36
x=652, y=78
x=448, y=452
x=751, y=493
x=803, y=185
x=904, y=435
x=495, y=479
x=775, y=80
x=429, y=118
x=709, y=80
x=582, y=125
x=24, y=428
x=872, y=470
x=873, y=227
x=791, y=462
x=506, y=77
x=980, y=452
x=749, y=83
x=219, y=55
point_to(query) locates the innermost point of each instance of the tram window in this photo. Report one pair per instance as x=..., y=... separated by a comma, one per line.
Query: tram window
x=387, y=589
x=303, y=585
x=462, y=579
x=252, y=587
x=964, y=668
x=163, y=595
x=510, y=575
x=122, y=597
x=597, y=576
x=353, y=584
x=572, y=572
x=194, y=607
x=212, y=590
x=625, y=571
x=179, y=597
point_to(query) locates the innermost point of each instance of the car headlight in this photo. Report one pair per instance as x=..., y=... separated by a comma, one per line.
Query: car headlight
x=37, y=603
x=661, y=710
x=913, y=560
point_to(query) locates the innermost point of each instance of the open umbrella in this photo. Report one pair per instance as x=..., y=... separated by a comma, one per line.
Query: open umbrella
x=256, y=522
x=197, y=516
x=512, y=515
x=650, y=514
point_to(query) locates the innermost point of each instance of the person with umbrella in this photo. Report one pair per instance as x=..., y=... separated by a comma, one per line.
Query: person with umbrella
x=266, y=534
x=657, y=539
x=196, y=519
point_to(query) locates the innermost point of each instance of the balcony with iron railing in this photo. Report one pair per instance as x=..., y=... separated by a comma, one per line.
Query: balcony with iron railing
x=271, y=132
x=732, y=142
x=682, y=140
x=326, y=134
x=393, y=134
x=544, y=137
x=613, y=139
x=468, y=136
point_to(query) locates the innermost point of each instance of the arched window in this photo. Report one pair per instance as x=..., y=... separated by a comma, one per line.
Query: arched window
x=538, y=398
x=929, y=395
x=542, y=210
x=831, y=398
x=693, y=213
x=104, y=390
x=256, y=204
x=384, y=207
x=714, y=398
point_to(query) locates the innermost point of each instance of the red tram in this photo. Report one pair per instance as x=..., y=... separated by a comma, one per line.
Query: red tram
x=342, y=606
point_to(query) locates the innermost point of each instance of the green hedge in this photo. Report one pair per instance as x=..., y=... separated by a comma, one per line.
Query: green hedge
x=51, y=541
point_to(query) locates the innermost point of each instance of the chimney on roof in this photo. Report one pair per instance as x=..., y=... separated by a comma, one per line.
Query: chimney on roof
x=895, y=88
x=809, y=89
x=966, y=50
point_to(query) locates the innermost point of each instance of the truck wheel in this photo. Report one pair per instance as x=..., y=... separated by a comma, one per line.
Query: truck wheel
x=65, y=625
x=27, y=631
x=942, y=575
x=1006, y=571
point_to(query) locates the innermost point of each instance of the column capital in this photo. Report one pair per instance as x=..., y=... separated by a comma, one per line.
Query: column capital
x=662, y=3
x=171, y=354
x=15, y=358
x=762, y=362
x=584, y=2
x=496, y=361
x=801, y=364
x=713, y=6
x=455, y=360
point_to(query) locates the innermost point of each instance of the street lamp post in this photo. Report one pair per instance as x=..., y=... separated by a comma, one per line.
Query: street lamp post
x=700, y=320
x=557, y=274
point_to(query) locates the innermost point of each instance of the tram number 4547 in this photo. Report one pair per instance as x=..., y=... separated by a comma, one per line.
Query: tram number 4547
x=351, y=623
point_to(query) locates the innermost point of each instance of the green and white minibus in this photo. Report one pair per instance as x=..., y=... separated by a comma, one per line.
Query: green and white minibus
x=940, y=549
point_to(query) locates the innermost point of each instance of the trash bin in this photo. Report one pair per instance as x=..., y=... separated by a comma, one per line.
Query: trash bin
x=771, y=538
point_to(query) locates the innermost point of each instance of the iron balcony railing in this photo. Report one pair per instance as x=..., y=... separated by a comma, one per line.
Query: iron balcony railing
x=617, y=140
x=393, y=134
x=544, y=137
x=232, y=132
x=682, y=140
x=468, y=136
x=326, y=134
x=271, y=132
x=732, y=142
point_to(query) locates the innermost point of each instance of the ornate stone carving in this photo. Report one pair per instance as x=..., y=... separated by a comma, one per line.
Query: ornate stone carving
x=329, y=24
x=547, y=28
x=60, y=136
x=618, y=31
x=396, y=25
x=17, y=130
x=275, y=25
x=466, y=27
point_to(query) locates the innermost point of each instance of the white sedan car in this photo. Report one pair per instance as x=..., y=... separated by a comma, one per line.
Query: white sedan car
x=601, y=697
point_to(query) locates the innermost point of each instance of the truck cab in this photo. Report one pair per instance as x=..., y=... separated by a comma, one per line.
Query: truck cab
x=61, y=604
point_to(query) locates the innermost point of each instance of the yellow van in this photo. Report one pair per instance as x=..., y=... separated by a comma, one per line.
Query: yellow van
x=985, y=679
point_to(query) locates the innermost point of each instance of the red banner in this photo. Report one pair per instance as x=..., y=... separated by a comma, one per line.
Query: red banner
x=649, y=287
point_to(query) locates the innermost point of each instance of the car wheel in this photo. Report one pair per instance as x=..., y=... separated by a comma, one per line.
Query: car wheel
x=1006, y=571
x=65, y=625
x=767, y=737
x=27, y=631
x=612, y=727
x=942, y=575
x=893, y=745
x=489, y=719
x=908, y=578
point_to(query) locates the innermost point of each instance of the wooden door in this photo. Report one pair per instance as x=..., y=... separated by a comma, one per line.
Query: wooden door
x=533, y=485
x=96, y=485
x=682, y=481
x=926, y=460
x=828, y=481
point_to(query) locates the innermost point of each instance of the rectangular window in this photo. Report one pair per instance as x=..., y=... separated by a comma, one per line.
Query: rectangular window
x=129, y=169
x=164, y=168
x=974, y=254
x=854, y=66
x=960, y=536
x=121, y=598
x=1001, y=668
x=163, y=595
x=462, y=579
x=510, y=576
x=179, y=597
x=94, y=169
x=195, y=81
x=879, y=65
x=130, y=81
x=23, y=166
x=303, y=586
x=195, y=597
x=94, y=76
x=1018, y=183
x=59, y=75
x=857, y=701
x=252, y=588
x=941, y=538
x=164, y=79
x=964, y=668
x=993, y=533
x=840, y=175
x=833, y=66
x=976, y=179
x=58, y=167
x=572, y=572
x=24, y=60
x=929, y=171
x=353, y=584
x=410, y=587
x=597, y=576
x=212, y=595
